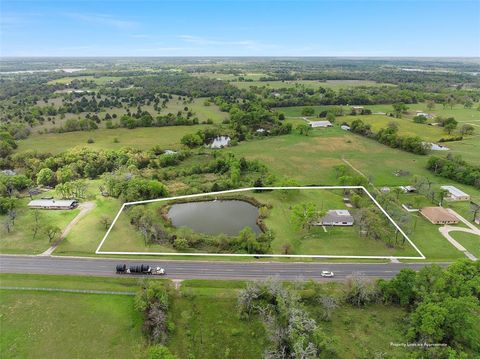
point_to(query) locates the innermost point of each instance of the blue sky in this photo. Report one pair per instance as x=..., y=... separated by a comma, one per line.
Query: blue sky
x=239, y=28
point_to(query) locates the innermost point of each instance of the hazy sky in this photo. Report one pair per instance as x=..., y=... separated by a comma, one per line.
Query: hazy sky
x=239, y=28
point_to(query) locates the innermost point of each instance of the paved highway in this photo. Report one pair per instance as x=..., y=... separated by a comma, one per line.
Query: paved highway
x=180, y=269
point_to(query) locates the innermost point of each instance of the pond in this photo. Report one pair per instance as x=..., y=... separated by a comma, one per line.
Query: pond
x=215, y=217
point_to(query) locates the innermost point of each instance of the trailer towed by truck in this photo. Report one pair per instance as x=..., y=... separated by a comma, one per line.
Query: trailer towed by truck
x=142, y=269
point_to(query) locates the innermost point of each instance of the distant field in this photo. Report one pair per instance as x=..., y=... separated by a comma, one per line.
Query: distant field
x=230, y=77
x=142, y=138
x=333, y=84
x=406, y=127
x=98, y=80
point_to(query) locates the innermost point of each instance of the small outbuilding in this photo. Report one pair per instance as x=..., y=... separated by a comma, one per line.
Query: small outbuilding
x=345, y=127
x=220, y=142
x=439, y=215
x=408, y=189
x=315, y=124
x=53, y=204
x=454, y=194
x=336, y=217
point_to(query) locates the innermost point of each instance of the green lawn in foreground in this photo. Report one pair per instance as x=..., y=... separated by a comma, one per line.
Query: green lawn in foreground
x=470, y=241
x=68, y=325
x=142, y=138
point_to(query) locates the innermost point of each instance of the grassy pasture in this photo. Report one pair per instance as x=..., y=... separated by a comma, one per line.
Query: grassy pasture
x=68, y=325
x=470, y=241
x=142, y=138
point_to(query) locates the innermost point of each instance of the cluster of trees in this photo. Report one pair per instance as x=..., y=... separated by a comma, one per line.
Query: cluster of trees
x=146, y=120
x=154, y=301
x=453, y=167
x=131, y=188
x=292, y=331
x=389, y=136
x=443, y=306
x=72, y=189
x=7, y=144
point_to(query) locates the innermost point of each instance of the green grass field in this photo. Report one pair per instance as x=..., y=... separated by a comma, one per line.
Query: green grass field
x=38, y=324
x=142, y=138
x=470, y=241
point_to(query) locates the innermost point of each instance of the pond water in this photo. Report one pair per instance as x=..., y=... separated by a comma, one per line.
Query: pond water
x=215, y=217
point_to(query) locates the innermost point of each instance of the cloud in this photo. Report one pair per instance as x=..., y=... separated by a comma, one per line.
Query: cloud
x=247, y=44
x=103, y=19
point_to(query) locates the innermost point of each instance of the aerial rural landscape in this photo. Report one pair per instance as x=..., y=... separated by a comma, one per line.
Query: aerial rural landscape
x=219, y=198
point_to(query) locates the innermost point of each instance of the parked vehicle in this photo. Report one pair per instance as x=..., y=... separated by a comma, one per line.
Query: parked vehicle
x=327, y=274
x=139, y=269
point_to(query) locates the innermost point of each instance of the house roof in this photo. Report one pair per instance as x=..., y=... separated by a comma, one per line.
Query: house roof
x=337, y=215
x=438, y=214
x=454, y=191
x=51, y=203
x=320, y=123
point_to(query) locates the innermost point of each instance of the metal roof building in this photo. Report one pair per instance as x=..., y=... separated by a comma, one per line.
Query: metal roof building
x=454, y=194
x=336, y=217
x=53, y=204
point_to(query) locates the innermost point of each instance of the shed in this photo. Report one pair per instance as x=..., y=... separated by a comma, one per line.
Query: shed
x=220, y=142
x=439, y=215
x=53, y=204
x=315, y=124
x=454, y=194
x=408, y=189
x=336, y=217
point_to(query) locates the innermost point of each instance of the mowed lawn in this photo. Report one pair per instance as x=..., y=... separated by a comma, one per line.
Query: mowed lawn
x=470, y=241
x=69, y=325
x=142, y=138
x=21, y=239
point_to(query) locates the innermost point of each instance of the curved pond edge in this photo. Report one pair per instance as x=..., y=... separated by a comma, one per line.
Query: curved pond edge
x=253, y=201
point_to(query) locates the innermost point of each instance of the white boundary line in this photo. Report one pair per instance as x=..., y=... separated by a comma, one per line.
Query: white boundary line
x=98, y=251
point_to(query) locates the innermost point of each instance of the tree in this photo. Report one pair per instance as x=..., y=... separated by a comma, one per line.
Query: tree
x=467, y=129
x=304, y=129
x=303, y=214
x=51, y=232
x=46, y=177
x=474, y=210
x=105, y=221
x=308, y=111
x=399, y=109
x=331, y=117
x=359, y=291
x=159, y=352
x=430, y=105
x=401, y=289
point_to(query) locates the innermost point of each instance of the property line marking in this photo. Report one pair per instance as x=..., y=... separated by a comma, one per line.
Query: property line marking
x=98, y=251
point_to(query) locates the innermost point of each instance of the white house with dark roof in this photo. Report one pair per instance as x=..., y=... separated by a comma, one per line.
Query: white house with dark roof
x=335, y=217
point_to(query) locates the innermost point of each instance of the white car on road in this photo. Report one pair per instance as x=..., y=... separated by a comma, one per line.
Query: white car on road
x=326, y=273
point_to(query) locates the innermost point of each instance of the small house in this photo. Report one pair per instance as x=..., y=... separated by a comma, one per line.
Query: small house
x=46, y=203
x=454, y=194
x=357, y=109
x=315, y=124
x=220, y=142
x=439, y=215
x=408, y=189
x=336, y=217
